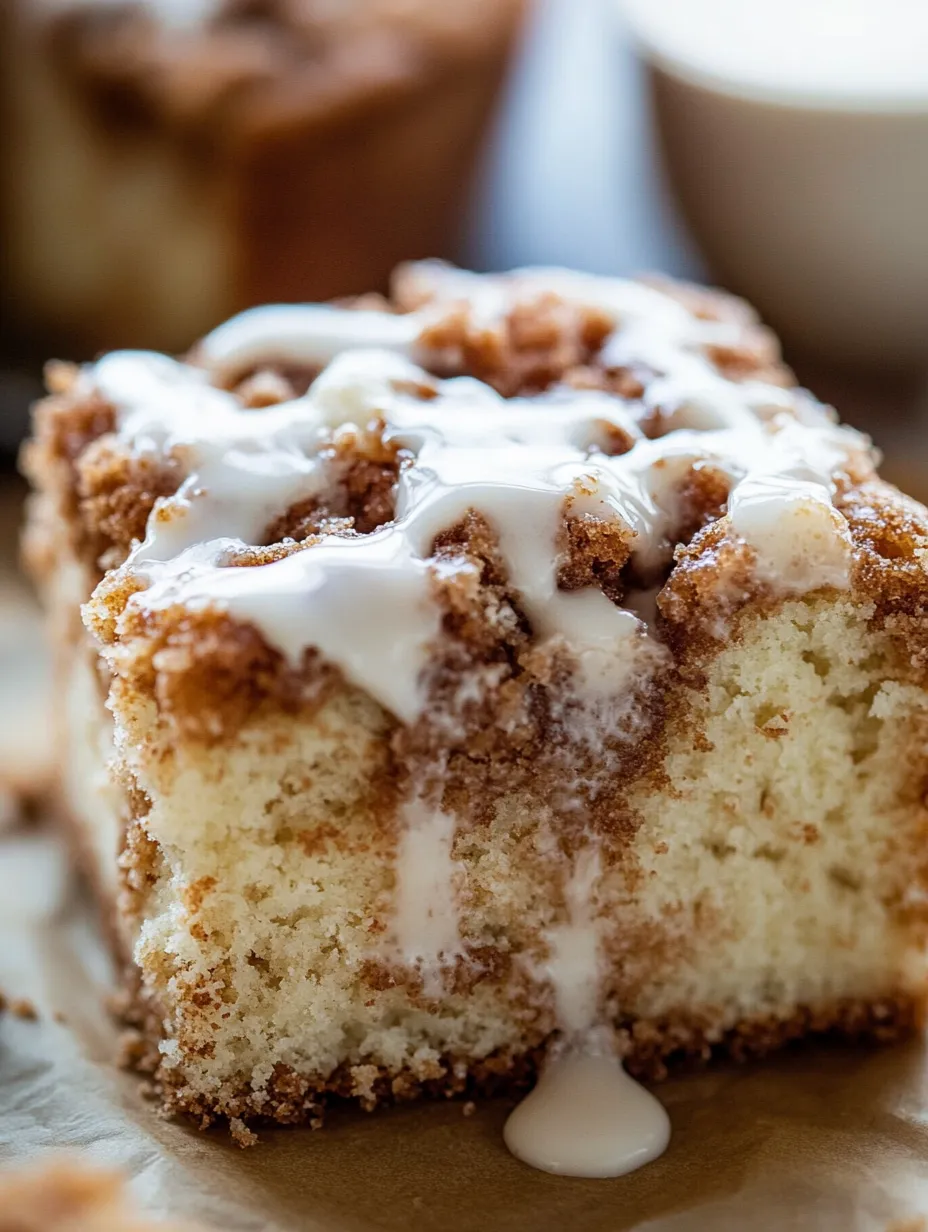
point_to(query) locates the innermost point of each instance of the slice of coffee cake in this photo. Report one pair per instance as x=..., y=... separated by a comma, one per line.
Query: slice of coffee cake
x=529, y=661
x=164, y=163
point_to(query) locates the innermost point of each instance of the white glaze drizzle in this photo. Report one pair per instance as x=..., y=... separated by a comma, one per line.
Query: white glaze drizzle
x=425, y=923
x=573, y=964
x=243, y=468
x=587, y=1117
x=311, y=334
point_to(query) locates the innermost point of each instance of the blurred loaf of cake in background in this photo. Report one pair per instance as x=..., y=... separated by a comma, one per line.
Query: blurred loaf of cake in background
x=166, y=162
x=794, y=134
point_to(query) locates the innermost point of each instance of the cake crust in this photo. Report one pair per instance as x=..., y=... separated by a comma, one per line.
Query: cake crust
x=652, y=1050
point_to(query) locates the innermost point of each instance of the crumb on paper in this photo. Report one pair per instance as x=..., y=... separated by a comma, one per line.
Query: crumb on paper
x=21, y=1007
x=68, y=1193
x=131, y=1049
x=469, y=1108
x=25, y=796
x=149, y=1090
x=9, y=809
x=241, y=1134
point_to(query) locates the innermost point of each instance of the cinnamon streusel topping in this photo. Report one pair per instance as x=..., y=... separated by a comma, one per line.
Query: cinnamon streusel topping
x=585, y=491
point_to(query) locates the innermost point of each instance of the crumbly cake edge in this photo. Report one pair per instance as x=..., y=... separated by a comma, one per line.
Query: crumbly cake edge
x=653, y=1050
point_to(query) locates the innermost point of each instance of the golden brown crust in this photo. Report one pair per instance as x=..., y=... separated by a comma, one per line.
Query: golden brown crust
x=713, y=579
x=65, y=426
x=652, y=1049
x=543, y=338
x=891, y=534
x=116, y=492
x=595, y=553
x=209, y=675
x=534, y=344
x=108, y=491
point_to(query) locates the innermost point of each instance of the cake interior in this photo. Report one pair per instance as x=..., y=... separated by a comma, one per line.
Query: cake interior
x=767, y=889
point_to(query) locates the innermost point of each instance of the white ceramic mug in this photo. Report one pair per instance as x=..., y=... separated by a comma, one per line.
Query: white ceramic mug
x=795, y=135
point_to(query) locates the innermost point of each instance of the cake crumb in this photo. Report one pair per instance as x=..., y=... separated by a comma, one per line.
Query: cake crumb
x=132, y=1046
x=68, y=1194
x=241, y=1134
x=21, y=1007
x=469, y=1108
x=9, y=809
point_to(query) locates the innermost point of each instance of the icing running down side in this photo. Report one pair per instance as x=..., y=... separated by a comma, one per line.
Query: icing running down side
x=585, y=1116
x=370, y=604
x=426, y=927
